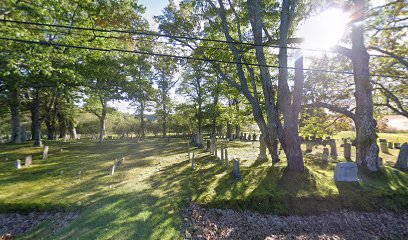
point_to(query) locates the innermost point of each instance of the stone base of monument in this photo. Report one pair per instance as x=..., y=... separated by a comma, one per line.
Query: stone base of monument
x=346, y=172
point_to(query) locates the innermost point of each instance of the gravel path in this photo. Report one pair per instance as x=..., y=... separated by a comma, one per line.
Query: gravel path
x=230, y=224
x=12, y=224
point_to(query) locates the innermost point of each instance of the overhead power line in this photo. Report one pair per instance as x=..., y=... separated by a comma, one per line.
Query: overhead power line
x=155, y=34
x=50, y=44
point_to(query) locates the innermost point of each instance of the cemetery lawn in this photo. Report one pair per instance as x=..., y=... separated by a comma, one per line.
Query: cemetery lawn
x=149, y=195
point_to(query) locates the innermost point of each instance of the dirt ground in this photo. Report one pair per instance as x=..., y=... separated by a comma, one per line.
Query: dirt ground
x=230, y=224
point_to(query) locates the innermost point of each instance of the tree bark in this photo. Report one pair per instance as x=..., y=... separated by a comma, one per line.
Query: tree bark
x=366, y=141
x=102, y=120
x=15, y=117
x=35, y=116
x=72, y=130
x=164, y=119
x=62, y=126
x=288, y=133
x=142, y=120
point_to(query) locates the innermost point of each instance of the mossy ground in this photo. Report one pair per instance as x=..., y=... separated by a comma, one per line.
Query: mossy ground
x=146, y=196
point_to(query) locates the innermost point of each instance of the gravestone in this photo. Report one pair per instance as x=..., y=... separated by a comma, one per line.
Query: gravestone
x=222, y=153
x=262, y=149
x=402, y=160
x=346, y=172
x=45, y=153
x=347, y=151
x=254, y=137
x=333, y=148
x=384, y=147
x=309, y=147
x=23, y=136
x=226, y=158
x=325, y=155
x=249, y=137
x=397, y=145
x=28, y=160
x=231, y=137
x=17, y=164
x=245, y=137
x=390, y=145
x=112, y=170
x=208, y=145
x=215, y=150
x=236, y=173
x=192, y=162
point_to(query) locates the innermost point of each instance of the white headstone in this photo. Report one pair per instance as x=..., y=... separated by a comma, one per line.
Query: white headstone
x=346, y=172
x=262, y=149
x=45, y=153
x=17, y=164
x=28, y=160
x=112, y=170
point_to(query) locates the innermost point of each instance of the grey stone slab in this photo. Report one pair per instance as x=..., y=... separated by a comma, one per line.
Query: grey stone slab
x=346, y=172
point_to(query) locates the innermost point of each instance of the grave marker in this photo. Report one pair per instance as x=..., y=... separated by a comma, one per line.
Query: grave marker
x=28, y=160
x=17, y=164
x=384, y=147
x=347, y=151
x=333, y=148
x=45, y=153
x=222, y=153
x=390, y=145
x=262, y=149
x=192, y=162
x=112, y=170
x=325, y=155
x=226, y=158
x=346, y=172
x=397, y=145
x=188, y=145
x=309, y=146
x=402, y=160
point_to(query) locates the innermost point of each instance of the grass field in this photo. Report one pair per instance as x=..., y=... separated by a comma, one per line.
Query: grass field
x=146, y=197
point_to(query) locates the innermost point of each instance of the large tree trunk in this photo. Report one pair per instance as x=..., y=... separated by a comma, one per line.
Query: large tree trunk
x=72, y=130
x=142, y=120
x=366, y=144
x=35, y=116
x=164, y=119
x=288, y=133
x=102, y=121
x=15, y=118
x=62, y=126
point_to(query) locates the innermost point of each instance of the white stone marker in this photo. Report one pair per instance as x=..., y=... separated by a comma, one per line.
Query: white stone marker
x=384, y=147
x=17, y=164
x=112, y=170
x=45, y=153
x=28, y=160
x=262, y=150
x=402, y=161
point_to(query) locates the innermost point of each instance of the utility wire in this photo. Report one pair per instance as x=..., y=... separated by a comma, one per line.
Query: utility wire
x=146, y=33
x=179, y=57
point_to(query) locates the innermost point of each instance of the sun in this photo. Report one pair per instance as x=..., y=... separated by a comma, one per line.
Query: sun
x=325, y=29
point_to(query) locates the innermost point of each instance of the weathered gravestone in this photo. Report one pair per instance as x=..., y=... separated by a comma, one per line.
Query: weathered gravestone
x=390, y=145
x=346, y=172
x=325, y=155
x=397, y=145
x=262, y=149
x=28, y=160
x=254, y=137
x=245, y=137
x=384, y=147
x=17, y=164
x=226, y=158
x=333, y=148
x=236, y=173
x=347, y=151
x=45, y=153
x=249, y=137
x=112, y=170
x=402, y=160
x=231, y=137
x=222, y=153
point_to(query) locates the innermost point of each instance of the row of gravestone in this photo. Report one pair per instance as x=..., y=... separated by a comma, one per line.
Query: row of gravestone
x=29, y=159
x=212, y=148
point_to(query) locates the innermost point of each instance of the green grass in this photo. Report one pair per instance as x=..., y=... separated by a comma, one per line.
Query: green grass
x=146, y=196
